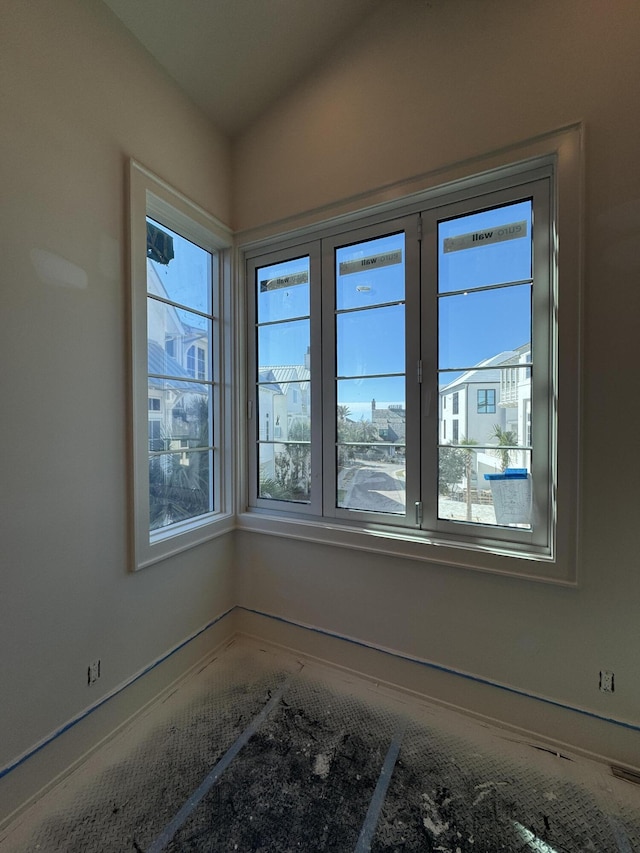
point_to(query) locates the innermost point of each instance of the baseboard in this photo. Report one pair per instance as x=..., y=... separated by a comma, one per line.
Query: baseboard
x=527, y=718
x=530, y=719
x=48, y=762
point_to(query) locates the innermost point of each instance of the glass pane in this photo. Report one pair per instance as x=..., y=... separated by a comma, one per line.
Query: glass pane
x=371, y=341
x=284, y=409
x=283, y=344
x=282, y=290
x=466, y=494
x=180, y=412
x=371, y=399
x=179, y=487
x=370, y=273
x=284, y=471
x=371, y=478
x=490, y=406
x=177, y=269
x=489, y=324
x=492, y=247
x=178, y=342
x=371, y=428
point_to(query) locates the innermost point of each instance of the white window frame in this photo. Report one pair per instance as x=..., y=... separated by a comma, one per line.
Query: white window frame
x=558, y=155
x=150, y=196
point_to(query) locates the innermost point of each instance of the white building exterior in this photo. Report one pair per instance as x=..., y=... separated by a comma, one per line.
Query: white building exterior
x=496, y=393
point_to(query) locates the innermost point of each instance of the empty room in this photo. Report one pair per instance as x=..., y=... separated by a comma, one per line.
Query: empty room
x=318, y=531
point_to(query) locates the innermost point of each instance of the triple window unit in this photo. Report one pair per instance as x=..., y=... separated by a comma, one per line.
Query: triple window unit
x=402, y=374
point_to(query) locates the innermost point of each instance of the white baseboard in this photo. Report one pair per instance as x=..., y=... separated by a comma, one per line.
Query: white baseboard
x=532, y=719
x=48, y=762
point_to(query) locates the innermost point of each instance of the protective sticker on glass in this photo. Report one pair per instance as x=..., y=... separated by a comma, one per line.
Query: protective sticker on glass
x=511, y=231
x=284, y=281
x=384, y=259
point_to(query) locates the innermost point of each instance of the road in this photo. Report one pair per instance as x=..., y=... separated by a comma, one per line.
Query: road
x=375, y=487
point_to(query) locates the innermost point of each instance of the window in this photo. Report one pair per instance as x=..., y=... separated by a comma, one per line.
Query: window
x=179, y=284
x=196, y=362
x=454, y=295
x=486, y=401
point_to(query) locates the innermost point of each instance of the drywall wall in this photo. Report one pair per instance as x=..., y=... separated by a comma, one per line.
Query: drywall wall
x=418, y=87
x=79, y=97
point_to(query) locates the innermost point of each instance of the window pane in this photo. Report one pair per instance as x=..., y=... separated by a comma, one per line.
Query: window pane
x=493, y=403
x=370, y=273
x=474, y=327
x=371, y=444
x=366, y=398
x=283, y=344
x=492, y=247
x=284, y=409
x=181, y=410
x=177, y=269
x=371, y=478
x=282, y=290
x=178, y=341
x=371, y=341
x=179, y=487
x=284, y=471
x=486, y=399
x=464, y=494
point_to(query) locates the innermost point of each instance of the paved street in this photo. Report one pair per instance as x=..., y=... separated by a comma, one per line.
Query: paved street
x=376, y=487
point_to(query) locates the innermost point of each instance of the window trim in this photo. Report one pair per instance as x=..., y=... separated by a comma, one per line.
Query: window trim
x=561, y=152
x=151, y=196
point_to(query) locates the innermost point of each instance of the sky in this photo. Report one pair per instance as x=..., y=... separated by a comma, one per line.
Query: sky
x=474, y=251
x=187, y=277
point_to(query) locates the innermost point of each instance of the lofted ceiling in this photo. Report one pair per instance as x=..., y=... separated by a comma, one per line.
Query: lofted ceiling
x=235, y=58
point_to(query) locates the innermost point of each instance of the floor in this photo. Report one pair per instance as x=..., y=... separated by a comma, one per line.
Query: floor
x=258, y=751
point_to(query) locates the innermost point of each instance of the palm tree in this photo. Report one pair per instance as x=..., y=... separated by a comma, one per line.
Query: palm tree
x=507, y=439
x=467, y=444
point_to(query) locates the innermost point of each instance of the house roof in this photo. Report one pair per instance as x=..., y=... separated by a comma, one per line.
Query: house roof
x=482, y=372
x=267, y=380
x=162, y=363
x=289, y=373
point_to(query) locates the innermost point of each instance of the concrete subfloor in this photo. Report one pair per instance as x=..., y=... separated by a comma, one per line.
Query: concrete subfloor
x=258, y=751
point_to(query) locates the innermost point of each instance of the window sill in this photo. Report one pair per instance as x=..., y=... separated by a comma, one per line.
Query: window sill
x=412, y=545
x=165, y=544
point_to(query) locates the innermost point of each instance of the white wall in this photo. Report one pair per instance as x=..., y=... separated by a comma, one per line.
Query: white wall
x=417, y=88
x=421, y=86
x=77, y=98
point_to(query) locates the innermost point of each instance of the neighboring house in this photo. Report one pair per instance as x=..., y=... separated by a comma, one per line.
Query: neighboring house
x=179, y=351
x=496, y=392
x=283, y=405
x=391, y=425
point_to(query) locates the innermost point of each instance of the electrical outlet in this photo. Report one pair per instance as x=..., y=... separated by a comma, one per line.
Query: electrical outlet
x=606, y=681
x=93, y=672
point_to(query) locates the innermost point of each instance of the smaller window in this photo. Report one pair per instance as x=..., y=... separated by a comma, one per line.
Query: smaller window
x=155, y=436
x=456, y=434
x=486, y=401
x=196, y=361
x=455, y=404
x=180, y=345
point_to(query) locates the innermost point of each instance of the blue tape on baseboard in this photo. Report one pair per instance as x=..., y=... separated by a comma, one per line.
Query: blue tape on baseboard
x=445, y=669
x=75, y=720
x=326, y=633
